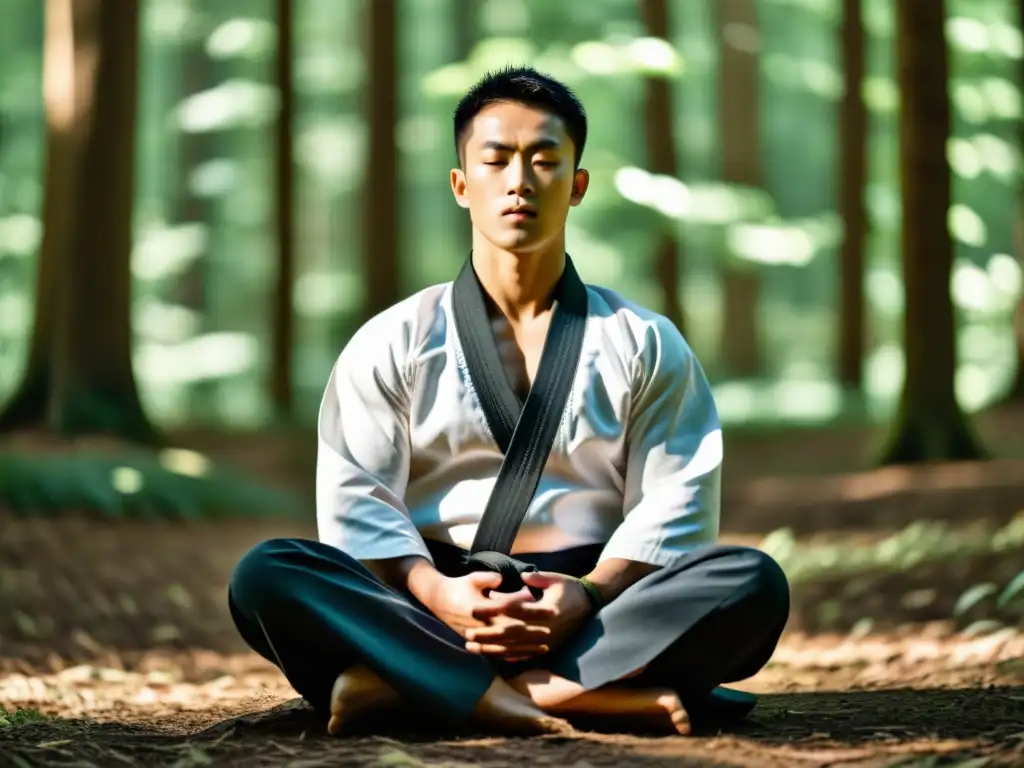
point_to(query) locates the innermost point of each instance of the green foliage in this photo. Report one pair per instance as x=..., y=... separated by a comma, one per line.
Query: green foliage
x=1013, y=591
x=1003, y=601
x=921, y=542
x=973, y=597
x=18, y=717
x=166, y=485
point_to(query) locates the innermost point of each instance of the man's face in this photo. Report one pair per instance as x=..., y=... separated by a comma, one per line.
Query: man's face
x=518, y=179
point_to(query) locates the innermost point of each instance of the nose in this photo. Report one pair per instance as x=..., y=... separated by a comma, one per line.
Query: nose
x=520, y=180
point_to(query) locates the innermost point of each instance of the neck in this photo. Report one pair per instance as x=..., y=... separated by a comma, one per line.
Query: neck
x=521, y=285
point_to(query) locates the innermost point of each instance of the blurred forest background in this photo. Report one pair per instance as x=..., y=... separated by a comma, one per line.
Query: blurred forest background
x=290, y=178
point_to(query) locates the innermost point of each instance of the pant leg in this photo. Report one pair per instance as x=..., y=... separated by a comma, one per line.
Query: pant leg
x=714, y=617
x=314, y=611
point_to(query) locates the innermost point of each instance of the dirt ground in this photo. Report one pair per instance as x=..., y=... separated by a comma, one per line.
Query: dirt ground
x=116, y=631
x=119, y=630
x=828, y=701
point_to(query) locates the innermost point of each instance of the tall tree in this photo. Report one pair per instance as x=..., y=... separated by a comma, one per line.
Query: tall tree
x=662, y=157
x=380, y=211
x=80, y=377
x=281, y=364
x=853, y=127
x=739, y=129
x=930, y=424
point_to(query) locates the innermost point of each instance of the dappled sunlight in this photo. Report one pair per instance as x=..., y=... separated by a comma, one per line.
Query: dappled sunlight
x=127, y=480
x=200, y=358
x=167, y=252
x=789, y=400
x=642, y=55
x=182, y=461
x=20, y=235
x=242, y=38
x=767, y=244
x=973, y=35
x=231, y=104
x=967, y=226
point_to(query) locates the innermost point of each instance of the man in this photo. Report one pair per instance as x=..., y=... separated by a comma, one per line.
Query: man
x=633, y=610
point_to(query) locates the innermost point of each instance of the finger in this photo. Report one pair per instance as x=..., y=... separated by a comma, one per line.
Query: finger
x=484, y=579
x=496, y=606
x=531, y=612
x=541, y=579
x=493, y=649
x=520, y=595
x=510, y=634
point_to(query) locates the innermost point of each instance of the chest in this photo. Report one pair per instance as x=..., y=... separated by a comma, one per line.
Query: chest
x=520, y=348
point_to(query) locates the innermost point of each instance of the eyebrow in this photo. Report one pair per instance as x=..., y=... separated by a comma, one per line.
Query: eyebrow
x=535, y=146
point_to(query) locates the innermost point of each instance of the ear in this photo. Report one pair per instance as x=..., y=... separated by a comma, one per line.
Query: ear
x=458, y=182
x=580, y=183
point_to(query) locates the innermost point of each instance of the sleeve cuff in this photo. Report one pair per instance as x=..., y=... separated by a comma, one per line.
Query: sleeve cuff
x=387, y=547
x=640, y=552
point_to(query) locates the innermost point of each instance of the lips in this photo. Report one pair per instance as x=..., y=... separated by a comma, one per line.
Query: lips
x=521, y=212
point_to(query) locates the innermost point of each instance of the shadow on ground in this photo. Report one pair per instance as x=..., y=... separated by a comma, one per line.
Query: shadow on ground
x=890, y=727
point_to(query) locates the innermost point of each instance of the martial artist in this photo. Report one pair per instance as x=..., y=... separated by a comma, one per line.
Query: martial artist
x=631, y=608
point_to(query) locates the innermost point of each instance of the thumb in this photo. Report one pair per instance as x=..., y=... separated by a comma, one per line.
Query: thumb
x=485, y=579
x=540, y=579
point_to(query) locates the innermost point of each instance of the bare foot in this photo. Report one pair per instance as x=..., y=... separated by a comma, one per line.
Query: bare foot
x=511, y=712
x=358, y=691
x=657, y=709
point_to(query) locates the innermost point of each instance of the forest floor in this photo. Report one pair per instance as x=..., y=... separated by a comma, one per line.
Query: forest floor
x=115, y=646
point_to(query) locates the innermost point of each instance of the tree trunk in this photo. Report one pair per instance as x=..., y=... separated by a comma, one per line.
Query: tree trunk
x=662, y=156
x=82, y=355
x=281, y=363
x=853, y=120
x=739, y=127
x=27, y=407
x=930, y=424
x=380, y=212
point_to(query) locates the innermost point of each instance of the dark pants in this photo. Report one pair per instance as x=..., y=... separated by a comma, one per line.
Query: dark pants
x=713, y=617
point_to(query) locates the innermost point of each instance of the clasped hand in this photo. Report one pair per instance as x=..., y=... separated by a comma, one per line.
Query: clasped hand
x=515, y=626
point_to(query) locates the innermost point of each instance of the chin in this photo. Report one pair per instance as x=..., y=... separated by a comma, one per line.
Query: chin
x=519, y=243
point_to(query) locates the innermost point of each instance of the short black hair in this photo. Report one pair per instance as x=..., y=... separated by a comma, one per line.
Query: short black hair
x=523, y=85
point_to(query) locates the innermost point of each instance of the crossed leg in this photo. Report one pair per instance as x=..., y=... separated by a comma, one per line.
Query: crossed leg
x=656, y=653
x=317, y=613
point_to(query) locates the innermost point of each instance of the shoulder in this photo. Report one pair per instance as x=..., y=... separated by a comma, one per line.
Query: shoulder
x=652, y=342
x=392, y=337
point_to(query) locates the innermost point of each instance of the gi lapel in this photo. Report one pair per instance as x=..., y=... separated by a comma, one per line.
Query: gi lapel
x=524, y=432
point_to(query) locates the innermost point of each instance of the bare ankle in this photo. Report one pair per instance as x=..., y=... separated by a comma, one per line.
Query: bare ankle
x=546, y=689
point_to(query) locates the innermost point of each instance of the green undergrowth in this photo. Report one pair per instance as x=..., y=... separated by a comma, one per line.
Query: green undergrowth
x=17, y=717
x=166, y=484
x=918, y=547
x=920, y=543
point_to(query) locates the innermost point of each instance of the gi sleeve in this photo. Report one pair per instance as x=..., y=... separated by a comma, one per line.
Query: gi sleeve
x=672, y=489
x=363, y=451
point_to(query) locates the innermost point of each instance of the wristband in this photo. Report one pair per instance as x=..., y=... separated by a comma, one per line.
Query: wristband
x=593, y=593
